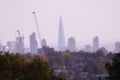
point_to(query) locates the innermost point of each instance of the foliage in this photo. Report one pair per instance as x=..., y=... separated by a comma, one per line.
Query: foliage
x=18, y=67
x=60, y=58
x=78, y=62
x=114, y=68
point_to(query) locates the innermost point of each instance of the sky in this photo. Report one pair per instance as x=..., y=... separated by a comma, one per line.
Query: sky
x=82, y=19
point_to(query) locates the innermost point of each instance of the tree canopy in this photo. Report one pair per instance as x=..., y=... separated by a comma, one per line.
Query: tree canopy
x=18, y=67
x=114, y=68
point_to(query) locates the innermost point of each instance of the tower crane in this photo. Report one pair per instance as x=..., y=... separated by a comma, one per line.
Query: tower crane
x=37, y=26
x=43, y=55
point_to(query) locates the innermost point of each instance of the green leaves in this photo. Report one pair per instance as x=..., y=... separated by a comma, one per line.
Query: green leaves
x=15, y=66
x=114, y=68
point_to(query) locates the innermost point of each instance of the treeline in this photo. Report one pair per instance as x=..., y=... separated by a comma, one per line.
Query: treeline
x=91, y=62
x=77, y=63
x=22, y=67
x=71, y=66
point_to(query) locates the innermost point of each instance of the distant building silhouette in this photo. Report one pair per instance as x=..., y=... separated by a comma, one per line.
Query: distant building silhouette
x=4, y=48
x=0, y=47
x=43, y=43
x=33, y=44
x=19, y=46
x=61, y=38
x=71, y=44
x=117, y=46
x=11, y=46
x=44, y=51
x=88, y=48
x=95, y=43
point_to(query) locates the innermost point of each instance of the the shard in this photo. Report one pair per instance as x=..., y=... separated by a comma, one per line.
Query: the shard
x=61, y=38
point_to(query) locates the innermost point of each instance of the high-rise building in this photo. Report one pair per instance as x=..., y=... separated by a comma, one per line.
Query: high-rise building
x=19, y=46
x=95, y=43
x=117, y=46
x=61, y=38
x=33, y=44
x=11, y=46
x=43, y=43
x=71, y=44
x=0, y=47
x=4, y=48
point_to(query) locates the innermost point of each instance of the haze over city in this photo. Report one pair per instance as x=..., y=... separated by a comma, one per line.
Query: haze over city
x=82, y=19
x=59, y=39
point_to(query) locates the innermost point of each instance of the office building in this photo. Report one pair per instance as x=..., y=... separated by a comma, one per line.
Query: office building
x=11, y=46
x=71, y=44
x=95, y=43
x=19, y=45
x=33, y=44
x=4, y=48
x=43, y=43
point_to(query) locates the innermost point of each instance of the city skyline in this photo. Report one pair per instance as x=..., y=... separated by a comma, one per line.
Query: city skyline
x=83, y=20
x=16, y=46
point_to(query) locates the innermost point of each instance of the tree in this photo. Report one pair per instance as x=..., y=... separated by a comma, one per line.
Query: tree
x=114, y=68
x=16, y=67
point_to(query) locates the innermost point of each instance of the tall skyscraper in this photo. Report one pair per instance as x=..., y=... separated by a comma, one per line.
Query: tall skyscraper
x=95, y=43
x=19, y=46
x=43, y=43
x=61, y=38
x=33, y=44
x=117, y=47
x=71, y=44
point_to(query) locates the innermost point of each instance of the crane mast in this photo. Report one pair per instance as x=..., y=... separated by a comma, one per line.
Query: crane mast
x=43, y=55
x=37, y=27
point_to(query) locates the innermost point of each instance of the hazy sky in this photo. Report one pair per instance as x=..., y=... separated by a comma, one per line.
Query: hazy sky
x=82, y=19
